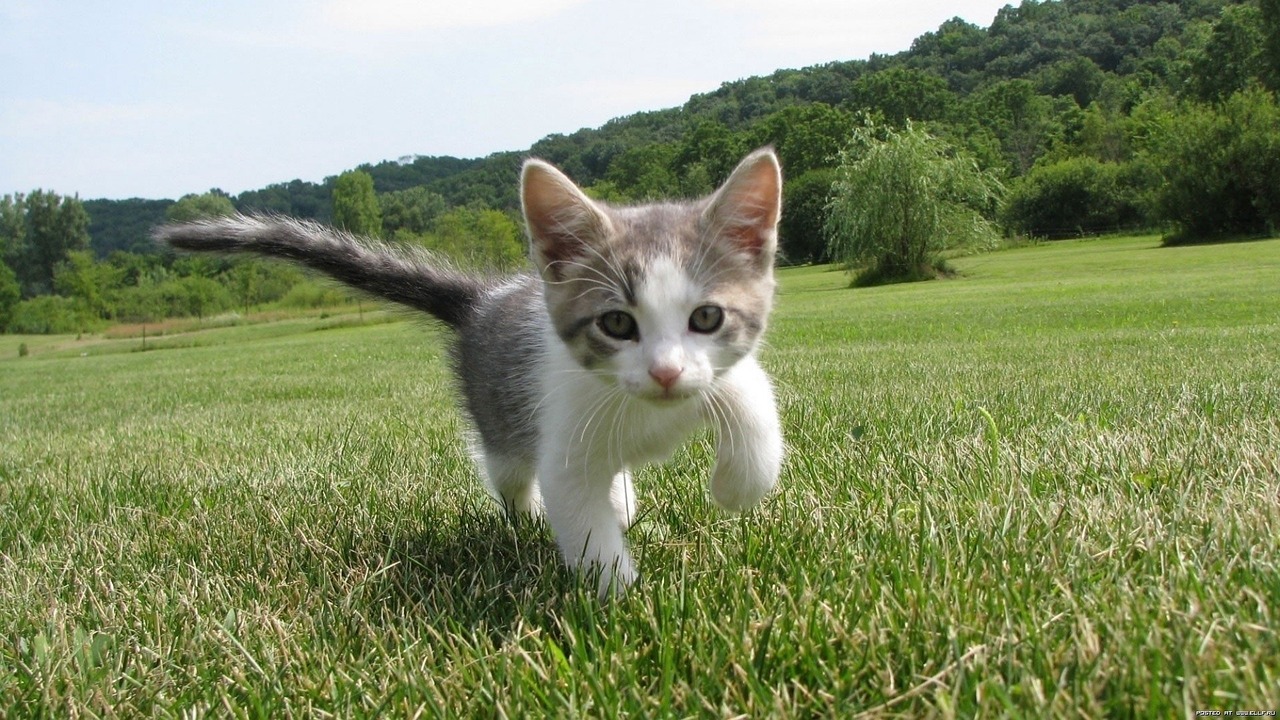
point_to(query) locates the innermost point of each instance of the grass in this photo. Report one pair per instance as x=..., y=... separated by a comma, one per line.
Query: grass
x=1047, y=488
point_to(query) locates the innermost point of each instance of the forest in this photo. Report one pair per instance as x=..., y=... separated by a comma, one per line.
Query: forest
x=1096, y=116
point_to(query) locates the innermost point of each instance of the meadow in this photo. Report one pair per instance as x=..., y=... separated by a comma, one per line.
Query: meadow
x=1048, y=487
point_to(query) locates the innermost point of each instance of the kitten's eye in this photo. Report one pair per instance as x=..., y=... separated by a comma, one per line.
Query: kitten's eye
x=706, y=319
x=618, y=325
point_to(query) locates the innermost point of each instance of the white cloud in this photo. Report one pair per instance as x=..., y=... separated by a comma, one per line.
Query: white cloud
x=399, y=16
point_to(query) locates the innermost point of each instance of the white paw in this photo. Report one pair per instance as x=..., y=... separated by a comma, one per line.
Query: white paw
x=735, y=490
x=623, y=498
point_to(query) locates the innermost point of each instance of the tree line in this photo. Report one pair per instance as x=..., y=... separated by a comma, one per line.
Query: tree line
x=1089, y=115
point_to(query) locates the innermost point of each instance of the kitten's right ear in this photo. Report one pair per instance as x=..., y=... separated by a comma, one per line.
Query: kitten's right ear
x=563, y=222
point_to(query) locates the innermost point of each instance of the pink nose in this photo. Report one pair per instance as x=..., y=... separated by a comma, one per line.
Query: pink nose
x=665, y=375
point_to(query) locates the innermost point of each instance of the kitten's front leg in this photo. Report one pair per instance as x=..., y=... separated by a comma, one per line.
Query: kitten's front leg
x=749, y=450
x=580, y=507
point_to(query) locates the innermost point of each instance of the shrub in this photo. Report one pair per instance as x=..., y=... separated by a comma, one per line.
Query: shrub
x=1072, y=197
x=314, y=294
x=181, y=297
x=52, y=314
x=1221, y=168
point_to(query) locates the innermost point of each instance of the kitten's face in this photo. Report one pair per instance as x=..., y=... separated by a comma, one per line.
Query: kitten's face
x=660, y=299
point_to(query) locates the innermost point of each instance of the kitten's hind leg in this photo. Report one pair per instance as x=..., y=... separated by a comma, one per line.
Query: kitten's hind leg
x=510, y=481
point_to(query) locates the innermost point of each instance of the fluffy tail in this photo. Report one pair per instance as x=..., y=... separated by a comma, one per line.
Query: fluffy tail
x=401, y=275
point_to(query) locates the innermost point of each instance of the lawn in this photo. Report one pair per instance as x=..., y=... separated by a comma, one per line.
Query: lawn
x=1049, y=487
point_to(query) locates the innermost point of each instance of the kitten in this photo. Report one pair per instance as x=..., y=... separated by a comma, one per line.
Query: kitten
x=639, y=326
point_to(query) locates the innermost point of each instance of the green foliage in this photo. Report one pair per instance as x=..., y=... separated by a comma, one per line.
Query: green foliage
x=903, y=94
x=474, y=238
x=900, y=197
x=253, y=282
x=315, y=294
x=1046, y=83
x=1027, y=123
x=50, y=314
x=297, y=198
x=804, y=216
x=10, y=294
x=806, y=137
x=643, y=173
x=355, y=204
x=39, y=230
x=214, y=203
x=79, y=276
x=1221, y=168
x=411, y=210
x=1270, y=53
x=1077, y=77
x=198, y=296
x=124, y=225
x=1232, y=58
x=1072, y=197
x=1104, y=135
x=190, y=296
x=706, y=155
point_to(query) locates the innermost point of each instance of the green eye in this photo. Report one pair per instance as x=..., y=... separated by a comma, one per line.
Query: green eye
x=706, y=319
x=618, y=325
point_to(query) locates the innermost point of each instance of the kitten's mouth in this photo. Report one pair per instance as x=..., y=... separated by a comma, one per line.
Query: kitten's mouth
x=668, y=397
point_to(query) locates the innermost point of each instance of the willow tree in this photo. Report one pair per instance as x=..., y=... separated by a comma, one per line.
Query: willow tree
x=900, y=198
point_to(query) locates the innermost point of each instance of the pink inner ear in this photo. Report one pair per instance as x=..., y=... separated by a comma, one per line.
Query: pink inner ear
x=554, y=239
x=560, y=218
x=747, y=211
x=753, y=228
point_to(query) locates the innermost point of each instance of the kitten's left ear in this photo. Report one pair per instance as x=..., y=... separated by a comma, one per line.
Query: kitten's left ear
x=745, y=210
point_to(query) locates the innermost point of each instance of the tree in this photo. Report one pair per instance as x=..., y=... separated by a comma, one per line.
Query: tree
x=903, y=94
x=412, y=210
x=1025, y=122
x=477, y=237
x=1270, y=17
x=40, y=229
x=1232, y=58
x=201, y=296
x=214, y=203
x=1078, y=77
x=644, y=172
x=124, y=224
x=81, y=278
x=900, y=197
x=804, y=216
x=10, y=294
x=13, y=230
x=706, y=155
x=806, y=137
x=1221, y=168
x=254, y=281
x=355, y=204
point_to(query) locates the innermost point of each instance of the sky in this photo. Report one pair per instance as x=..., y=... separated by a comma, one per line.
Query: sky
x=142, y=98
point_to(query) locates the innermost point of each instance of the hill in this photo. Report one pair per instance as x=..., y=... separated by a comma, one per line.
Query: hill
x=1097, y=116
x=1011, y=93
